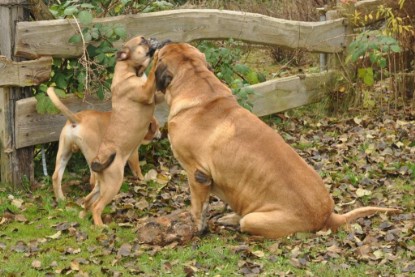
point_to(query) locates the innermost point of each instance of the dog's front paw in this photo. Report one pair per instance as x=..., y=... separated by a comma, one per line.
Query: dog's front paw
x=155, y=60
x=202, y=233
x=230, y=220
x=201, y=225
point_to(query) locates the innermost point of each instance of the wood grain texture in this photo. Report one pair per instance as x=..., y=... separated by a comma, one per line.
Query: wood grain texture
x=286, y=93
x=8, y=3
x=270, y=97
x=50, y=38
x=26, y=73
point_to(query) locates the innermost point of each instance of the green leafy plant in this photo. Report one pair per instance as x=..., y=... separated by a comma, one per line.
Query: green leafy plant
x=378, y=54
x=224, y=60
x=371, y=52
x=92, y=72
x=370, y=49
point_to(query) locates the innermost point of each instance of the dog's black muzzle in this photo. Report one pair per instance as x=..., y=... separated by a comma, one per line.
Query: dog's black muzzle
x=155, y=44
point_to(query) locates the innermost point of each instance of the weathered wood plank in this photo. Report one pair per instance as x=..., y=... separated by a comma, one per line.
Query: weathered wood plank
x=26, y=73
x=9, y=3
x=271, y=97
x=286, y=93
x=50, y=38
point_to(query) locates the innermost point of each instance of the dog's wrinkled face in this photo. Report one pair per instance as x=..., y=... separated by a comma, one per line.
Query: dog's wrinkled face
x=137, y=52
x=173, y=58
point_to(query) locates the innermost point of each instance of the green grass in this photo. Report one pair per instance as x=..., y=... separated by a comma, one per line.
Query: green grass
x=215, y=254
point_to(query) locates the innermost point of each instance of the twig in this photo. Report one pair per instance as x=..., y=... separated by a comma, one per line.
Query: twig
x=84, y=56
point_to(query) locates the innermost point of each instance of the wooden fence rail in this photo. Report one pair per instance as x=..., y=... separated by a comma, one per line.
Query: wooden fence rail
x=50, y=38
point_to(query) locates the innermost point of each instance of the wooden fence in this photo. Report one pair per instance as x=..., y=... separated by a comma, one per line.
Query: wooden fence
x=21, y=127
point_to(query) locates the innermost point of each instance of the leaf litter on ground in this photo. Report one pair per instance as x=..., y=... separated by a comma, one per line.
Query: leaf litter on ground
x=364, y=160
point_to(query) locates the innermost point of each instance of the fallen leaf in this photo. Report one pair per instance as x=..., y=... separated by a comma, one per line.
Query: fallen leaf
x=36, y=264
x=20, y=218
x=378, y=254
x=258, y=253
x=142, y=204
x=125, y=250
x=151, y=175
x=362, y=192
x=56, y=235
x=357, y=120
x=75, y=265
x=17, y=203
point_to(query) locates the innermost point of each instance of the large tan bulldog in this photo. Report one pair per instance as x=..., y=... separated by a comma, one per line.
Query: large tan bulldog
x=228, y=151
x=133, y=103
x=84, y=131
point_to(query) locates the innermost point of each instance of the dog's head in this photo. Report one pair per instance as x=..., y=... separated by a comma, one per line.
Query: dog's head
x=137, y=52
x=173, y=58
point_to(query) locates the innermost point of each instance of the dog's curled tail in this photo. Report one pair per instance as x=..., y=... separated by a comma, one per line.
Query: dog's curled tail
x=64, y=110
x=336, y=220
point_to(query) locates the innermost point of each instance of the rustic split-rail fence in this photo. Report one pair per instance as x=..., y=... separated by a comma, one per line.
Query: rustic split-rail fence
x=28, y=48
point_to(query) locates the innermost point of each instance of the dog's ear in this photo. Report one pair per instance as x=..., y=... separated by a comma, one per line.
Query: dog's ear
x=123, y=54
x=163, y=77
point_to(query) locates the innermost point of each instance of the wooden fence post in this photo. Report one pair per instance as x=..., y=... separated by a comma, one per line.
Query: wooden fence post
x=16, y=164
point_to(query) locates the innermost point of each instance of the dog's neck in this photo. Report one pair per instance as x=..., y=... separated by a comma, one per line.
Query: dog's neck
x=124, y=71
x=189, y=98
x=190, y=103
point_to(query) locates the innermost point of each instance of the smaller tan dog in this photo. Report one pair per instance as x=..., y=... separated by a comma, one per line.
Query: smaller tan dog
x=133, y=104
x=84, y=131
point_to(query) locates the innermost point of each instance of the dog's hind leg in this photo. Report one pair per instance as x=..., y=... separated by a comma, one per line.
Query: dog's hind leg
x=273, y=224
x=110, y=185
x=62, y=158
x=92, y=178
